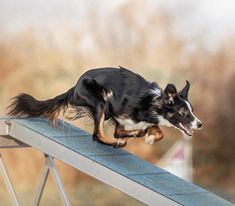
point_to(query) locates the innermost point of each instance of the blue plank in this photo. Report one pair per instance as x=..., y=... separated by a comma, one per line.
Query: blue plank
x=81, y=142
x=85, y=146
x=166, y=183
x=69, y=136
x=127, y=164
x=201, y=199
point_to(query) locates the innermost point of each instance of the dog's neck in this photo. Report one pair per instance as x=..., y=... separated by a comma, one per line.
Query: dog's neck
x=147, y=110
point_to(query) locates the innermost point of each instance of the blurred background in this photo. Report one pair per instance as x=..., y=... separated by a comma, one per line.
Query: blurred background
x=46, y=45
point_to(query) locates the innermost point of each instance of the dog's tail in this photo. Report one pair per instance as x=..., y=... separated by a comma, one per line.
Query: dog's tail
x=25, y=105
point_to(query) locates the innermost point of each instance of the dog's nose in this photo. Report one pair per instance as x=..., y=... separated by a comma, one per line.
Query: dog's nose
x=199, y=125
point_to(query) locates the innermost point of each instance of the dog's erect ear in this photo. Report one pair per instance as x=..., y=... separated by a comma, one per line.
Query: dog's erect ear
x=170, y=93
x=170, y=89
x=184, y=91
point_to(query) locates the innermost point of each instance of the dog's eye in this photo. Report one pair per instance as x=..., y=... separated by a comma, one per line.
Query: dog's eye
x=183, y=111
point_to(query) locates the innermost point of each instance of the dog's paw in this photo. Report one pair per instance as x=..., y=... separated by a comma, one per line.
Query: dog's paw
x=150, y=139
x=120, y=143
x=117, y=143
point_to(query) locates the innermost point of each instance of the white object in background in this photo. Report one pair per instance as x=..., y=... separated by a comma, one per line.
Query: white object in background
x=178, y=160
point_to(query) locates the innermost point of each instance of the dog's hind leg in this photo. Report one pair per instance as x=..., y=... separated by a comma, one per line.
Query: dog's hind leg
x=99, y=134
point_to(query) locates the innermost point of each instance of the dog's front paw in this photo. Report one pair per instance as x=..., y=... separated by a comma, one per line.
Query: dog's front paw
x=153, y=134
x=120, y=143
x=150, y=139
x=117, y=143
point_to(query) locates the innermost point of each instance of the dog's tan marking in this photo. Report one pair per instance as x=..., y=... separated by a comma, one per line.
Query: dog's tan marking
x=120, y=132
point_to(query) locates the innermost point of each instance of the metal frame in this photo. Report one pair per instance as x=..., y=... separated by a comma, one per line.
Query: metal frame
x=49, y=166
x=7, y=141
x=8, y=183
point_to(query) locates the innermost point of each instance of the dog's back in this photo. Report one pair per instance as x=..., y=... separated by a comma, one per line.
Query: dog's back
x=127, y=88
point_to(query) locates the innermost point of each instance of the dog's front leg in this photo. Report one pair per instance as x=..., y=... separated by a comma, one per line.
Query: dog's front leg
x=153, y=134
x=99, y=134
x=120, y=132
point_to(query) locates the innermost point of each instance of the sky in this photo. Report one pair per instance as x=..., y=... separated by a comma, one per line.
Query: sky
x=214, y=19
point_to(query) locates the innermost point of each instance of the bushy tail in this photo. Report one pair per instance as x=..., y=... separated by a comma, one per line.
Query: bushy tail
x=25, y=105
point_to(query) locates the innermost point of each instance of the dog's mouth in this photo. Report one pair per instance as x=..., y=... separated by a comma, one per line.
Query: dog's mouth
x=186, y=129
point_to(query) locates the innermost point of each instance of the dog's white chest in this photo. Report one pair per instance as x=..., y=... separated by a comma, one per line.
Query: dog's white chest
x=129, y=124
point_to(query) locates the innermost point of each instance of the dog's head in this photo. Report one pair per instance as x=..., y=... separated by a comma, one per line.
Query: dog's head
x=176, y=110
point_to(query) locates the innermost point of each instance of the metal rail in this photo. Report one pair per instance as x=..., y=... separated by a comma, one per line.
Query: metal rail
x=8, y=183
x=49, y=166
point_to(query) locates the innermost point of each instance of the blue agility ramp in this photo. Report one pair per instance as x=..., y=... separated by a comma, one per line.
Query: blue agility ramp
x=115, y=167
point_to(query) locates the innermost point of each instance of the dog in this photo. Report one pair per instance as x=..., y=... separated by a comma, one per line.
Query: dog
x=134, y=104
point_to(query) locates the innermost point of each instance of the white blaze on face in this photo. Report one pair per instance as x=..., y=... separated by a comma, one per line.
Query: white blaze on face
x=194, y=124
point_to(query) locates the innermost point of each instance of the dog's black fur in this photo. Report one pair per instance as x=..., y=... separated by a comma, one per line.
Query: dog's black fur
x=113, y=93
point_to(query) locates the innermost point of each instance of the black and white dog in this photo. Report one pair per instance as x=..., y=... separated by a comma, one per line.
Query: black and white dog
x=136, y=106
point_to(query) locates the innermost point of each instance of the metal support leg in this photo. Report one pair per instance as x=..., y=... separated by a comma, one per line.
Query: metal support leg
x=8, y=183
x=50, y=167
x=41, y=185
